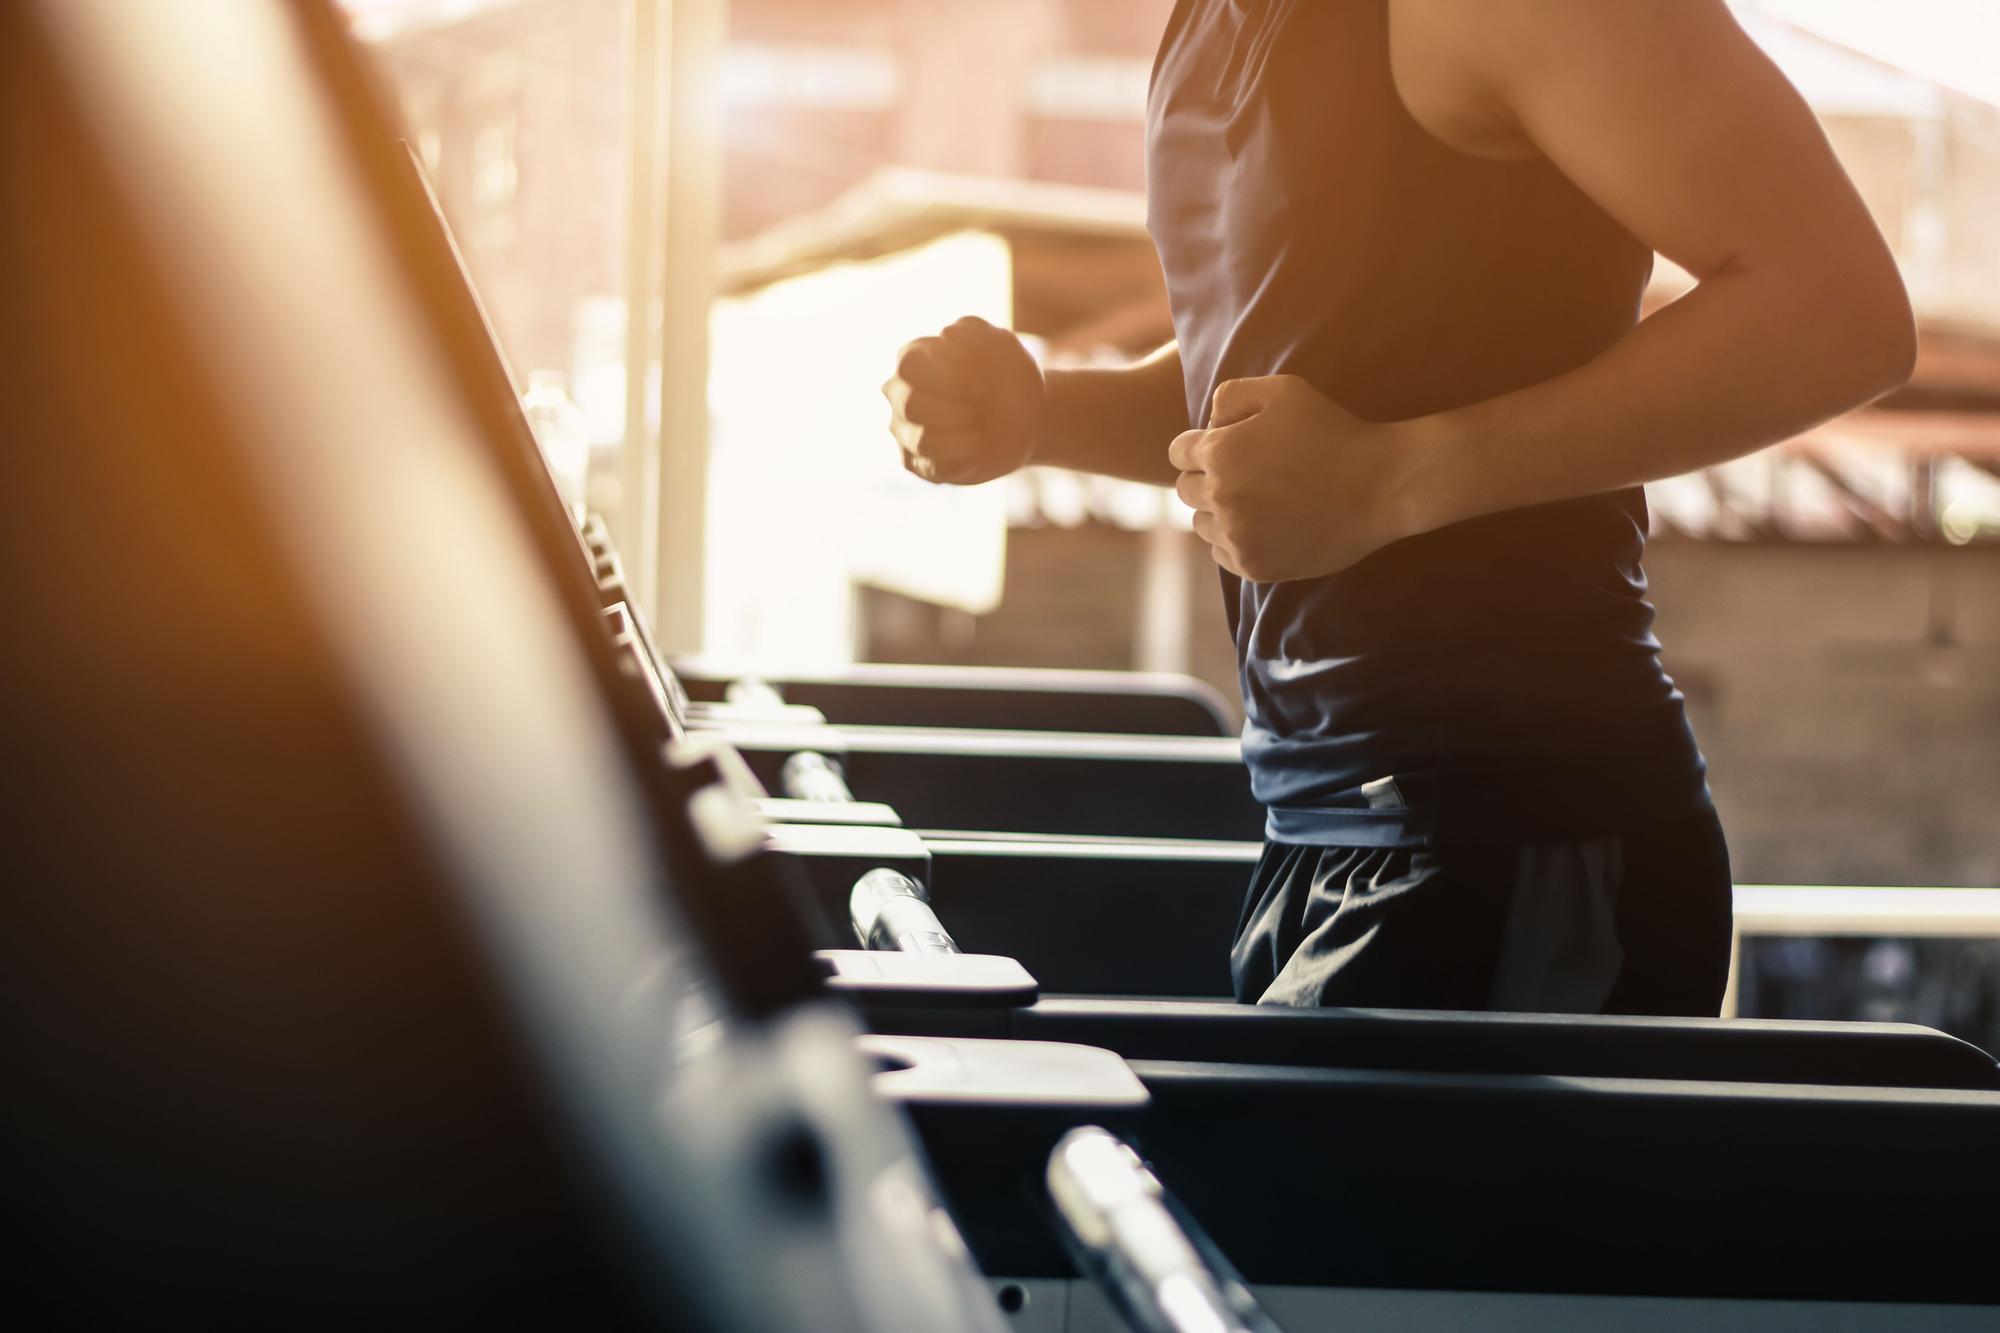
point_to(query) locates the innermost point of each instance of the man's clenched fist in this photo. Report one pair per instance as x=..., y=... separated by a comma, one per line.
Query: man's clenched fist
x=1286, y=484
x=966, y=404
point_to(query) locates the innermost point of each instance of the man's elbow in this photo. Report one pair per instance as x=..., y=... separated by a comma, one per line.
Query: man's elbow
x=1847, y=320
x=1882, y=329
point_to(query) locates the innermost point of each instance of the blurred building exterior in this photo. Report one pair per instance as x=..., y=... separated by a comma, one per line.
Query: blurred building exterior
x=519, y=113
x=1831, y=607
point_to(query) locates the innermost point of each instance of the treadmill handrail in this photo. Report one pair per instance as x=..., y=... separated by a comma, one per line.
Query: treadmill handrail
x=1841, y=909
x=1156, y=1266
x=869, y=739
x=891, y=912
x=811, y=776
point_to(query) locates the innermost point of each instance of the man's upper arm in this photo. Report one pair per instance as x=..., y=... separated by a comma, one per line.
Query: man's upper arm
x=1663, y=111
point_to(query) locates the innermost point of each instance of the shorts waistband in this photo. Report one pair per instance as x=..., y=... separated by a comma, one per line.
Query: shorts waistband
x=1398, y=811
x=1423, y=809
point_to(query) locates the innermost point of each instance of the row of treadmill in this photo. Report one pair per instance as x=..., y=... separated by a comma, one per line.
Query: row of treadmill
x=395, y=936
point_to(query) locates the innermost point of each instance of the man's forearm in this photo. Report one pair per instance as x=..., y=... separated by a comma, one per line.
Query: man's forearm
x=1739, y=363
x=1116, y=422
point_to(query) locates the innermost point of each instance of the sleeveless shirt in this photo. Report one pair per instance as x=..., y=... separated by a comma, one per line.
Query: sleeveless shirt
x=1495, y=679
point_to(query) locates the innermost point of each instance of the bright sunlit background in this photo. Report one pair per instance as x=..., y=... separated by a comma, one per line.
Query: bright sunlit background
x=838, y=176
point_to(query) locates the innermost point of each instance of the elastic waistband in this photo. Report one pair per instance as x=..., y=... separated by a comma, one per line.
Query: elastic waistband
x=1399, y=811
x=1422, y=810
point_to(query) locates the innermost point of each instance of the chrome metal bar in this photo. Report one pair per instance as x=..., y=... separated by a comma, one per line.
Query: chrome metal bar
x=1148, y=1256
x=891, y=912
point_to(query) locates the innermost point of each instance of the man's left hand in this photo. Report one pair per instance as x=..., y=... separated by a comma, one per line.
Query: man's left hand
x=1286, y=484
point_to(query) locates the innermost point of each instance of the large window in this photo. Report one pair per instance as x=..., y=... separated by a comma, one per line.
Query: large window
x=519, y=111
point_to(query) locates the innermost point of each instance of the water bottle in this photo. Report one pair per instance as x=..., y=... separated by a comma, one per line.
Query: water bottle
x=563, y=434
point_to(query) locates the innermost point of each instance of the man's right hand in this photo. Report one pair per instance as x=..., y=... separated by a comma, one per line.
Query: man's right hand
x=965, y=405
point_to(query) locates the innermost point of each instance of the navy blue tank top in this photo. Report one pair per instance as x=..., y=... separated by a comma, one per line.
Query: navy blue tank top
x=1495, y=679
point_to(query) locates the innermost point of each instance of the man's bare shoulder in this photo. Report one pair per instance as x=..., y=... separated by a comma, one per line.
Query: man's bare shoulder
x=1461, y=65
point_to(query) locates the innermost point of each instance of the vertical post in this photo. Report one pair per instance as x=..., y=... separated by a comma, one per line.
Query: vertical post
x=635, y=525
x=1923, y=496
x=695, y=33
x=1731, y=993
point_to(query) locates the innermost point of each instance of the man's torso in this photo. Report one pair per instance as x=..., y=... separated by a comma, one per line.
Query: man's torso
x=1504, y=670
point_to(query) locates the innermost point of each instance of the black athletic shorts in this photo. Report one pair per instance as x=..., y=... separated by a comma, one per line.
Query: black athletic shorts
x=1638, y=923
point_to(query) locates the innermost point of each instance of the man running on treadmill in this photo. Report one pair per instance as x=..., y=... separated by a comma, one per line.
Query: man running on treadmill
x=1412, y=405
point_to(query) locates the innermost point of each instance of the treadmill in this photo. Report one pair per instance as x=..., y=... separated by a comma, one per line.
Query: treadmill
x=345, y=981
x=984, y=698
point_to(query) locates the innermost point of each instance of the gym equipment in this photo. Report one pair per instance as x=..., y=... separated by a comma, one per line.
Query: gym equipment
x=1025, y=781
x=1723, y=1200
x=345, y=976
x=1002, y=889
x=1163, y=1273
x=1054, y=902
x=1067, y=782
x=1553, y=1190
x=892, y=913
x=977, y=698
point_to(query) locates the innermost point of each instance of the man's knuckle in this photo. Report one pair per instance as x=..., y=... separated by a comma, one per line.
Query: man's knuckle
x=919, y=357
